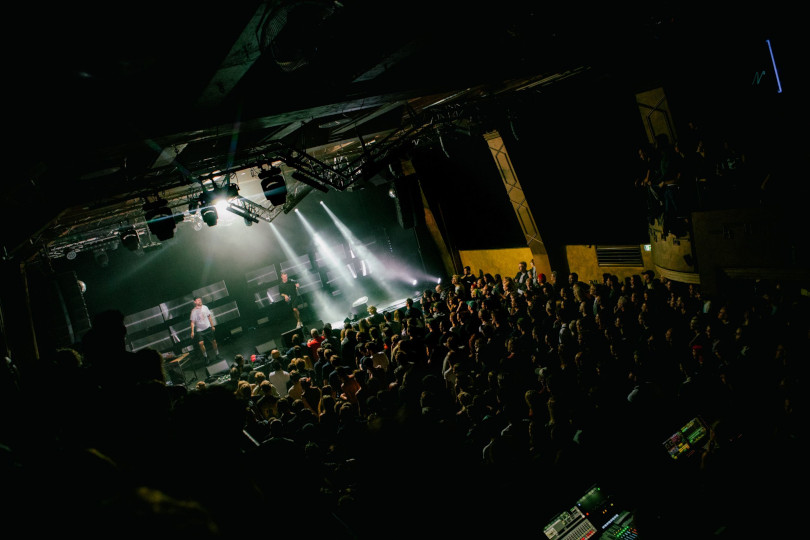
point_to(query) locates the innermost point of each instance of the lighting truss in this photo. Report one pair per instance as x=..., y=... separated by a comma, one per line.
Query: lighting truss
x=423, y=128
x=341, y=176
x=246, y=209
x=108, y=232
x=83, y=230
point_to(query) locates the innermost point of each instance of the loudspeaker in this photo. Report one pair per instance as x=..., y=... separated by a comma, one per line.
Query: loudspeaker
x=216, y=369
x=266, y=347
x=275, y=190
x=286, y=337
x=403, y=202
x=76, y=320
x=317, y=325
x=174, y=372
x=359, y=312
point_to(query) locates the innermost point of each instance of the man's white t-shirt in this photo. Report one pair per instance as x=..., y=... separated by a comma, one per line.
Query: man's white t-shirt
x=279, y=380
x=200, y=317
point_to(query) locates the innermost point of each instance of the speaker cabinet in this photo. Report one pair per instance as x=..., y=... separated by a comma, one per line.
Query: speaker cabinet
x=360, y=311
x=266, y=347
x=404, y=202
x=286, y=337
x=317, y=325
x=75, y=320
x=219, y=368
x=174, y=372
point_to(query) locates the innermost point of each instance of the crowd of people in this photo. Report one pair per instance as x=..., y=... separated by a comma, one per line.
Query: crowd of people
x=699, y=171
x=481, y=407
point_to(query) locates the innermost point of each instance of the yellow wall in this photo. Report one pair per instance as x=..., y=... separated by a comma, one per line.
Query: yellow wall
x=496, y=261
x=582, y=260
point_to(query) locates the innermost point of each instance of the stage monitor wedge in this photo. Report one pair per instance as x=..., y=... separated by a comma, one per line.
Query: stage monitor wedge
x=266, y=347
x=220, y=368
x=286, y=337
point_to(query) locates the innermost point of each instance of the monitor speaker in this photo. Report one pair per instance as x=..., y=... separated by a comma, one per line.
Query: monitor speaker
x=359, y=312
x=266, y=347
x=286, y=337
x=216, y=369
x=174, y=372
x=75, y=320
x=317, y=325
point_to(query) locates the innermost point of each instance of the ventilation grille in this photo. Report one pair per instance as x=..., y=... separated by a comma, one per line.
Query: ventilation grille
x=619, y=256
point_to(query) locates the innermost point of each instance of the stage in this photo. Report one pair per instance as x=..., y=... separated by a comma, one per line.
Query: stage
x=267, y=334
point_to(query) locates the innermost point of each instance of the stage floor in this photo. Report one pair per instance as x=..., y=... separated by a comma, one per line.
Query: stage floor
x=259, y=339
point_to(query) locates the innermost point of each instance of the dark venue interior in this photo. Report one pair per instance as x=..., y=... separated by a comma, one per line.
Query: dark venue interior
x=171, y=164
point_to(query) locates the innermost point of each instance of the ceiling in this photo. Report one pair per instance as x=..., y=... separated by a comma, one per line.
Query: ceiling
x=121, y=106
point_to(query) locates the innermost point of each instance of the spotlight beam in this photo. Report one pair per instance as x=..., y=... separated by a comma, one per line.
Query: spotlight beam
x=333, y=259
x=376, y=268
x=326, y=303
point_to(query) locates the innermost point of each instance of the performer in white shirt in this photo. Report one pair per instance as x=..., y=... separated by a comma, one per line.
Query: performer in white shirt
x=202, y=325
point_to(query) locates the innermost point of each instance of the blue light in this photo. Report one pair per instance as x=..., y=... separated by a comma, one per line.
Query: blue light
x=775, y=71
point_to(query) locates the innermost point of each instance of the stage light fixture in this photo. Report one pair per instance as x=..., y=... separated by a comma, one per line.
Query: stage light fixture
x=273, y=186
x=207, y=209
x=209, y=215
x=232, y=191
x=129, y=237
x=193, y=205
x=101, y=258
x=160, y=219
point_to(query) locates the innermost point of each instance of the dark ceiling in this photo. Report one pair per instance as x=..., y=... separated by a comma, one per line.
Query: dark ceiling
x=118, y=106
